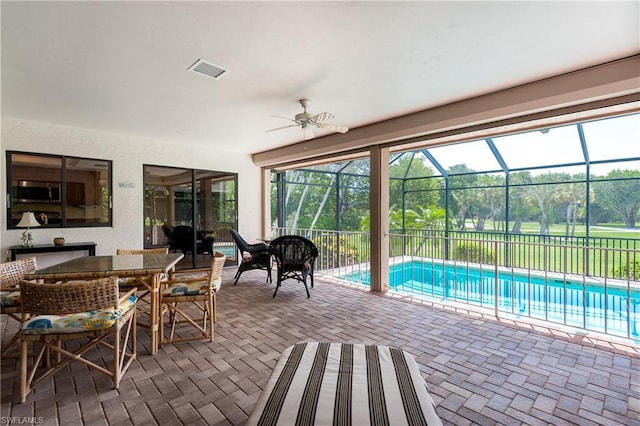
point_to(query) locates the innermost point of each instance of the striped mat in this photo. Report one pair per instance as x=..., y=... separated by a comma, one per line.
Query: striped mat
x=345, y=384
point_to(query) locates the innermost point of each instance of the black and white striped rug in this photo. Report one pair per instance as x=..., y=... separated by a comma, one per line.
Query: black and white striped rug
x=345, y=384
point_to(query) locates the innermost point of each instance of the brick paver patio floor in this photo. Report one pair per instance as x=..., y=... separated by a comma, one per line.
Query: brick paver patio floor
x=479, y=370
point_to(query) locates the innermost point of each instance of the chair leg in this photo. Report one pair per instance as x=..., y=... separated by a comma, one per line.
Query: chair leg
x=23, y=371
x=121, y=358
x=208, y=320
x=277, y=286
x=237, y=277
x=306, y=288
x=212, y=315
x=134, y=338
x=5, y=353
x=161, y=325
x=173, y=319
x=8, y=346
x=116, y=359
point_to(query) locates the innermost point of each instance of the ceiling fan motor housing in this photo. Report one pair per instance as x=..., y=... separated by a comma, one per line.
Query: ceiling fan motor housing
x=303, y=117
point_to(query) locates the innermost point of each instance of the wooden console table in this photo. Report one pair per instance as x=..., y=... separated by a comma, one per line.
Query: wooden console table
x=52, y=248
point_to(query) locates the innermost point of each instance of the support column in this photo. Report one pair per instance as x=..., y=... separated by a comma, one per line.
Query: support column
x=206, y=198
x=171, y=208
x=379, y=210
x=266, y=203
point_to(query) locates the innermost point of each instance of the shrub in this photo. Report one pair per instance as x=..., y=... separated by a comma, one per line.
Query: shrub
x=340, y=251
x=633, y=273
x=473, y=252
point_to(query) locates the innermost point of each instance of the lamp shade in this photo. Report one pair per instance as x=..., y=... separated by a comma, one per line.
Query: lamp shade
x=28, y=220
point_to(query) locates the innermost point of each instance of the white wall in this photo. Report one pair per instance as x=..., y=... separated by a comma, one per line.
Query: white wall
x=128, y=154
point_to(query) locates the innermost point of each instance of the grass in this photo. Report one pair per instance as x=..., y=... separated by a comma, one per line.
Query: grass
x=608, y=230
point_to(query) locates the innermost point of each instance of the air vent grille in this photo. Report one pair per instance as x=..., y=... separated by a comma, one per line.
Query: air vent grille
x=208, y=69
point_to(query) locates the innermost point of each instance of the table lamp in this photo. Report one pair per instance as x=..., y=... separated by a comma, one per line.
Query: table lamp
x=28, y=220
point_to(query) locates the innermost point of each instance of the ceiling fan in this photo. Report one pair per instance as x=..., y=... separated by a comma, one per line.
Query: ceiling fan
x=308, y=121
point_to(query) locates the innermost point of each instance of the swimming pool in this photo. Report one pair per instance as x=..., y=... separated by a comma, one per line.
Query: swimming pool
x=229, y=249
x=612, y=309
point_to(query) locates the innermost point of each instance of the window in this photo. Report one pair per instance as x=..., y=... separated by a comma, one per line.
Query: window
x=61, y=191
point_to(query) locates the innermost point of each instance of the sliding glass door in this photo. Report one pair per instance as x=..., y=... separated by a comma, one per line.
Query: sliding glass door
x=190, y=211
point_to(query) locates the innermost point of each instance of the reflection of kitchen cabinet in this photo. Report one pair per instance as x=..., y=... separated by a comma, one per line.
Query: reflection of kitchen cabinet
x=75, y=194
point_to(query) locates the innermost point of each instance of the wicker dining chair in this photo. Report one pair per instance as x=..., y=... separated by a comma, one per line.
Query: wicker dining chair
x=196, y=286
x=144, y=290
x=91, y=309
x=10, y=275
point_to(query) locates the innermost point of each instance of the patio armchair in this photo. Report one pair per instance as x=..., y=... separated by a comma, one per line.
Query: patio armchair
x=180, y=238
x=253, y=256
x=76, y=310
x=295, y=257
x=198, y=287
x=10, y=275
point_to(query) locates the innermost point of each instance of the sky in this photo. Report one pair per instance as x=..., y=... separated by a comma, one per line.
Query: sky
x=606, y=139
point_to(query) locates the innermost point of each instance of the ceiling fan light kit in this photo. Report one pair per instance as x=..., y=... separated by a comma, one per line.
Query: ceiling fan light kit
x=308, y=121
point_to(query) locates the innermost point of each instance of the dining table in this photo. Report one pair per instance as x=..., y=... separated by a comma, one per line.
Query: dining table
x=147, y=269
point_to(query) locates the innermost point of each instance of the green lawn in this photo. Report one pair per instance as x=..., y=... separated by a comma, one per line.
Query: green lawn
x=608, y=230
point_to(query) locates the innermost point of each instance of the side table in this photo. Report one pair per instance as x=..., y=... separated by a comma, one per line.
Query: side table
x=52, y=248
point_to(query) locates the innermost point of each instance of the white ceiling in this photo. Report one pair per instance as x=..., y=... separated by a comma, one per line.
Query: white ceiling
x=121, y=67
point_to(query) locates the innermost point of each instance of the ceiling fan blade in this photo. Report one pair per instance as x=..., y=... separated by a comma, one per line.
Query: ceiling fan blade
x=286, y=118
x=280, y=128
x=333, y=127
x=323, y=116
x=308, y=133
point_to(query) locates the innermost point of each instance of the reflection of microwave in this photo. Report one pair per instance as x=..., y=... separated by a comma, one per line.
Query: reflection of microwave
x=24, y=191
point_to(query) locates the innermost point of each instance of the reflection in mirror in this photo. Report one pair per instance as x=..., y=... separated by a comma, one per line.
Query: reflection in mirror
x=190, y=211
x=61, y=191
x=87, y=191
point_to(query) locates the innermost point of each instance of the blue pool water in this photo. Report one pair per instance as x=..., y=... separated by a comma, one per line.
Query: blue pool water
x=228, y=249
x=613, y=310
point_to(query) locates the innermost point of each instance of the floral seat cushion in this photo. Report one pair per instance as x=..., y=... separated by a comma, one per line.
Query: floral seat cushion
x=9, y=298
x=83, y=321
x=191, y=288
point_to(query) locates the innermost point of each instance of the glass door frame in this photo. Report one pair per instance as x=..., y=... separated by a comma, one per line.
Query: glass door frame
x=162, y=185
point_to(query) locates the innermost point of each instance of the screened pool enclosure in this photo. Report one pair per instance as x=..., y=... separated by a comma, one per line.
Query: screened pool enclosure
x=558, y=203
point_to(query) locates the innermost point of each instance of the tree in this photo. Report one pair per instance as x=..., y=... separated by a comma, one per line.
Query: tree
x=621, y=194
x=412, y=177
x=422, y=218
x=573, y=196
x=462, y=183
x=353, y=203
x=541, y=195
x=519, y=206
x=324, y=201
x=487, y=201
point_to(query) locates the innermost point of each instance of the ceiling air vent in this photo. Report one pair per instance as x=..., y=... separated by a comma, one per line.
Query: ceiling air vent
x=208, y=69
